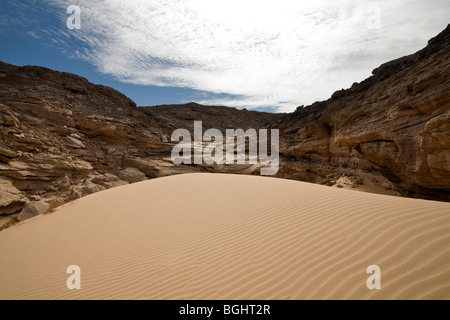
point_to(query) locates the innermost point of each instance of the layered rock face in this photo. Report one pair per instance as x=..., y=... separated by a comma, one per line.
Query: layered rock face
x=396, y=124
x=62, y=137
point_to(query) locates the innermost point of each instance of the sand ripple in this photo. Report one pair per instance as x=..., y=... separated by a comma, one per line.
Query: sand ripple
x=205, y=236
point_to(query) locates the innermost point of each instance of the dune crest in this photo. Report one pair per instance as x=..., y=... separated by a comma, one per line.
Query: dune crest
x=215, y=236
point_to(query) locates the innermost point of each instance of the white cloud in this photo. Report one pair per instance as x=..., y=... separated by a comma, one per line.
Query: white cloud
x=269, y=53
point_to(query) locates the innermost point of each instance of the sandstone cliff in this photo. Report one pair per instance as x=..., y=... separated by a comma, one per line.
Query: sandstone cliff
x=63, y=138
x=396, y=124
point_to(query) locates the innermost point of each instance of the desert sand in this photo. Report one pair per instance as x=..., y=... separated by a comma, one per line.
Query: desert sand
x=215, y=236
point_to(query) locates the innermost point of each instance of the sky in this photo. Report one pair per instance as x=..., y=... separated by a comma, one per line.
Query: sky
x=264, y=55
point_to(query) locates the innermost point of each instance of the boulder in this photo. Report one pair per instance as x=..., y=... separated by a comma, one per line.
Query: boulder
x=148, y=167
x=111, y=177
x=83, y=190
x=11, y=199
x=132, y=175
x=33, y=209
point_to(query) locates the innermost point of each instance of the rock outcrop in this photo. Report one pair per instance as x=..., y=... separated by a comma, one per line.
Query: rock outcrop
x=396, y=124
x=63, y=138
x=33, y=209
x=11, y=199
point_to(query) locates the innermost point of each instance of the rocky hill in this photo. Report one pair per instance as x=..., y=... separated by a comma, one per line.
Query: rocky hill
x=62, y=137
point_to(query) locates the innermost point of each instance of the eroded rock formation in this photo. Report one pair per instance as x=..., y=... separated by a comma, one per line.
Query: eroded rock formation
x=396, y=124
x=63, y=138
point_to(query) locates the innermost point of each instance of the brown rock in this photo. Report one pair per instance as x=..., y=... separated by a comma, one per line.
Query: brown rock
x=111, y=177
x=74, y=143
x=222, y=118
x=85, y=189
x=7, y=118
x=33, y=209
x=11, y=199
x=132, y=175
x=6, y=152
x=148, y=167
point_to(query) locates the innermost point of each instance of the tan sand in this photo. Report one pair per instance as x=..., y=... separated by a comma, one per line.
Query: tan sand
x=205, y=236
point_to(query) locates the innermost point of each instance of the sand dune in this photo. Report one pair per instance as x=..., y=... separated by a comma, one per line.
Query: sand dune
x=204, y=236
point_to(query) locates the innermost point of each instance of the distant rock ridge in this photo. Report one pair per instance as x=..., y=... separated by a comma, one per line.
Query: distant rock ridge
x=63, y=137
x=217, y=117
